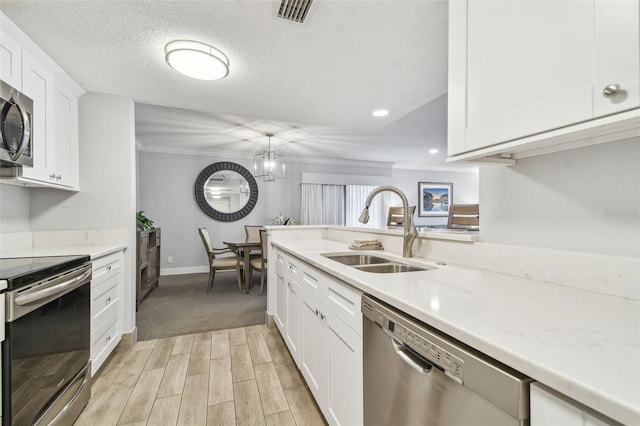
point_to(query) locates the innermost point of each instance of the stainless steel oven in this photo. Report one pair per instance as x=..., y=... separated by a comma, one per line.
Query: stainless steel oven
x=16, y=117
x=45, y=355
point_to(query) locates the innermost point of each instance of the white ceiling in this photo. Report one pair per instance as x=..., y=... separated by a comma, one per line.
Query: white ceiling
x=314, y=84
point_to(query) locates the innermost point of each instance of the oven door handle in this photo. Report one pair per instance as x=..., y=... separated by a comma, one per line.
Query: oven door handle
x=25, y=299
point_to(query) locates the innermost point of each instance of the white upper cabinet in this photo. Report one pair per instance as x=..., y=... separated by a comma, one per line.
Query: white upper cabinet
x=10, y=60
x=55, y=110
x=523, y=74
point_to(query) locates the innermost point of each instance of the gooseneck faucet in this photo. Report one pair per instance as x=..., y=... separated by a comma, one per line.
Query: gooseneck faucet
x=410, y=231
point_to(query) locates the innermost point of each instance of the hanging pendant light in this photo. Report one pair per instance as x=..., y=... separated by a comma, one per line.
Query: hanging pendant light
x=268, y=165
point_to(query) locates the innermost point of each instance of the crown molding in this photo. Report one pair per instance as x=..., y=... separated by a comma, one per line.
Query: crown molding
x=449, y=169
x=241, y=155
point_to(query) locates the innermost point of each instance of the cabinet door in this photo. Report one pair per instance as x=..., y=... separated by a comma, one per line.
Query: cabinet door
x=280, y=309
x=37, y=85
x=617, y=45
x=64, y=130
x=522, y=68
x=550, y=408
x=345, y=387
x=314, y=357
x=10, y=60
x=524, y=77
x=292, y=335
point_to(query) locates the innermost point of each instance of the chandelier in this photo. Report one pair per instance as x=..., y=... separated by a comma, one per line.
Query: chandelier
x=268, y=165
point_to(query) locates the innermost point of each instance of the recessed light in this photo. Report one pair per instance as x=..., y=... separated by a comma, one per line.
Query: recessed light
x=380, y=113
x=433, y=151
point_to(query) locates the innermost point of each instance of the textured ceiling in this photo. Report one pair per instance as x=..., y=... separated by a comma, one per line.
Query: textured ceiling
x=315, y=83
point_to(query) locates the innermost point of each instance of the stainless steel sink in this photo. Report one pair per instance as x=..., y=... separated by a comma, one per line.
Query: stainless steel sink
x=356, y=259
x=390, y=268
x=373, y=264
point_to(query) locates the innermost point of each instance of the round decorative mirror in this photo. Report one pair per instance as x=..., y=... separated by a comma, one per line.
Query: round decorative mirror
x=226, y=191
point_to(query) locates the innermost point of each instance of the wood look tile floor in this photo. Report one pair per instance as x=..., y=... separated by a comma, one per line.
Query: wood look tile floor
x=243, y=376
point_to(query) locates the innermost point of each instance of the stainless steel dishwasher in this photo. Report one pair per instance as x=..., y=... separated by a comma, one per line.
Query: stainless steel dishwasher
x=416, y=375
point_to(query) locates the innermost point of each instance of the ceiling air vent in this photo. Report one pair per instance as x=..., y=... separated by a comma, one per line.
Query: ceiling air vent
x=294, y=10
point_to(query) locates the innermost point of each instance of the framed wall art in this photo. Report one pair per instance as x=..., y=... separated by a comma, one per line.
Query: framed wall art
x=434, y=198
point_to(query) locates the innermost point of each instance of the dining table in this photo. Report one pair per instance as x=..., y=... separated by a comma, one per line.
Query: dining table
x=244, y=250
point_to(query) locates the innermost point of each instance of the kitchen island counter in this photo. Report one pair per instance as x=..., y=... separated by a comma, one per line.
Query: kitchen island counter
x=583, y=344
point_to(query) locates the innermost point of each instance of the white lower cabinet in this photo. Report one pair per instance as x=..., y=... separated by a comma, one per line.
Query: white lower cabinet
x=550, y=408
x=106, y=306
x=292, y=329
x=344, y=388
x=314, y=362
x=280, y=299
x=319, y=318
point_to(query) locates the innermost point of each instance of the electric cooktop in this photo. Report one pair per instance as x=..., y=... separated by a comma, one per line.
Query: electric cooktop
x=18, y=271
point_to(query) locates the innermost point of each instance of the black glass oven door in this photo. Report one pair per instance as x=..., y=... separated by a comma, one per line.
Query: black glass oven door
x=42, y=352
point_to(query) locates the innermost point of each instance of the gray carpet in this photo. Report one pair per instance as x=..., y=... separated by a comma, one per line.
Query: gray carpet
x=180, y=305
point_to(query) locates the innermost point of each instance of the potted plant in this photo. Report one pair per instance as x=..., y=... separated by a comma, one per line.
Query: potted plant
x=143, y=222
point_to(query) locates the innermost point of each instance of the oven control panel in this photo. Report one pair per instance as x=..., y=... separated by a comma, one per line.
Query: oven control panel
x=452, y=365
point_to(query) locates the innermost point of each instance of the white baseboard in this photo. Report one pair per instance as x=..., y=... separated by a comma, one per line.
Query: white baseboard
x=188, y=270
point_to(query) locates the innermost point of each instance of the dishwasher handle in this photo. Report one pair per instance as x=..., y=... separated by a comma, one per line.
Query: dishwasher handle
x=413, y=361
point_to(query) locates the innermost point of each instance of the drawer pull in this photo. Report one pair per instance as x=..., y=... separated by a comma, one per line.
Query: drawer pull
x=108, y=299
x=611, y=90
x=109, y=268
x=108, y=339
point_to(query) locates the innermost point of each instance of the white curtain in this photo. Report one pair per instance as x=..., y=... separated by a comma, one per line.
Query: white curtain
x=333, y=204
x=356, y=196
x=322, y=204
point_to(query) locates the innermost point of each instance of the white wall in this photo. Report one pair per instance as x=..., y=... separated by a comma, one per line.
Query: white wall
x=585, y=200
x=167, y=196
x=106, y=200
x=14, y=209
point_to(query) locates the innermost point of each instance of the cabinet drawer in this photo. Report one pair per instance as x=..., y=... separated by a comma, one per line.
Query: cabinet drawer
x=315, y=282
x=103, y=296
x=280, y=263
x=344, y=301
x=103, y=340
x=292, y=268
x=104, y=268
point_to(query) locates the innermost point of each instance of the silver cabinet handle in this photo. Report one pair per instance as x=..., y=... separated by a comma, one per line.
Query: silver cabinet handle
x=52, y=176
x=109, y=268
x=322, y=316
x=108, y=299
x=611, y=90
x=58, y=177
x=108, y=338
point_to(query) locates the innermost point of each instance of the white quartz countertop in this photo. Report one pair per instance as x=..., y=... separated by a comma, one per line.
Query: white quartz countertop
x=94, y=251
x=583, y=344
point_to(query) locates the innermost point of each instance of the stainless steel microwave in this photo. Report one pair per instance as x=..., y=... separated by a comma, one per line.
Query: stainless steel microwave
x=16, y=135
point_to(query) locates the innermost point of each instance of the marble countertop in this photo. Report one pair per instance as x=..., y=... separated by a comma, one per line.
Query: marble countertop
x=94, y=251
x=583, y=344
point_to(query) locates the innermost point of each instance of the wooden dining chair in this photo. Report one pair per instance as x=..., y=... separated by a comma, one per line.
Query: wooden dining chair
x=396, y=215
x=226, y=263
x=260, y=264
x=464, y=216
x=253, y=232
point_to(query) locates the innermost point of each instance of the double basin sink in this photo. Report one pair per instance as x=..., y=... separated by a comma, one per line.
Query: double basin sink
x=374, y=264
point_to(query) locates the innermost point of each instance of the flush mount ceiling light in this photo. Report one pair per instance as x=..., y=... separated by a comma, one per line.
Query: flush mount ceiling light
x=268, y=165
x=380, y=113
x=196, y=60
